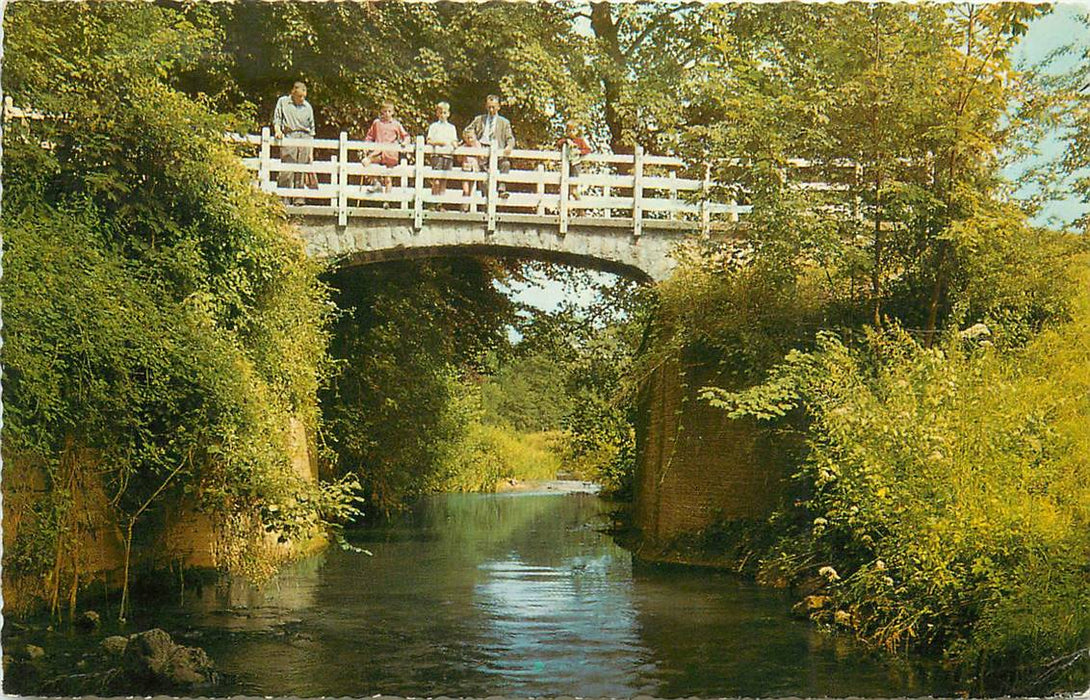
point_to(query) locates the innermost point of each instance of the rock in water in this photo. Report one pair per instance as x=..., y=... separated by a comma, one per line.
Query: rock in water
x=115, y=645
x=88, y=621
x=153, y=659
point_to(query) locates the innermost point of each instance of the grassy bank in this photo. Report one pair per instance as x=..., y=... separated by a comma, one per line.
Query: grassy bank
x=490, y=454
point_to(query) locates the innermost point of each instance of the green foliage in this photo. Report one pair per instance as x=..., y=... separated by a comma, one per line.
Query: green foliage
x=947, y=489
x=938, y=483
x=403, y=330
x=490, y=454
x=527, y=394
x=920, y=99
x=736, y=314
x=1067, y=174
x=161, y=325
x=595, y=350
x=641, y=59
x=355, y=55
x=1008, y=275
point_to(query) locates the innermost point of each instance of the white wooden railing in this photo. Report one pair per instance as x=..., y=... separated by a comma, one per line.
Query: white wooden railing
x=637, y=191
x=634, y=191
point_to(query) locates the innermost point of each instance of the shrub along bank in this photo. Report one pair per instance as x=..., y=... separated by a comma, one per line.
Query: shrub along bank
x=162, y=328
x=945, y=495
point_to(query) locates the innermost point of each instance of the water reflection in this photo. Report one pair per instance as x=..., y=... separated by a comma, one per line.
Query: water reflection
x=518, y=595
x=560, y=630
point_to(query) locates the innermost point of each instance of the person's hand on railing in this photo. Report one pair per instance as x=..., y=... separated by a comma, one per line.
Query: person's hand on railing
x=279, y=133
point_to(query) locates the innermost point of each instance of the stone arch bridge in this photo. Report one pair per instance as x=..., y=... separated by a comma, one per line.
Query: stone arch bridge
x=621, y=213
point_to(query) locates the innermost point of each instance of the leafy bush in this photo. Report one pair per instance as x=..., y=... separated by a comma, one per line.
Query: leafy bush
x=480, y=455
x=949, y=493
x=162, y=326
x=490, y=454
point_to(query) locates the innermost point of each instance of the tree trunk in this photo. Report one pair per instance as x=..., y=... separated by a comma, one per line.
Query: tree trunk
x=876, y=271
x=936, y=295
x=606, y=32
x=939, y=287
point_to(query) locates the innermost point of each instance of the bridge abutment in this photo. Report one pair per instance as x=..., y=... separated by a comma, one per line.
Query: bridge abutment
x=697, y=468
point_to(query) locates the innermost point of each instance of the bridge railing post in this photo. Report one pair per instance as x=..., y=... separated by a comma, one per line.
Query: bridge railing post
x=341, y=180
x=491, y=194
x=474, y=195
x=418, y=185
x=334, y=199
x=673, y=193
x=403, y=181
x=607, y=190
x=562, y=210
x=705, y=195
x=541, y=189
x=637, y=192
x=263, y=177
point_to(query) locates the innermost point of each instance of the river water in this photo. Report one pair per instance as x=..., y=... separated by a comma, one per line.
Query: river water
x=517, y=594
x=514, y=594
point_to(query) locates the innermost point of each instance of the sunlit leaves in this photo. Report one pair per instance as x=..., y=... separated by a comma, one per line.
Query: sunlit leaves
x=920, y=100
x=159, y=320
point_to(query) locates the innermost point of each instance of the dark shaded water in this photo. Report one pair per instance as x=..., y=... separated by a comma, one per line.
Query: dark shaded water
x=517, y=594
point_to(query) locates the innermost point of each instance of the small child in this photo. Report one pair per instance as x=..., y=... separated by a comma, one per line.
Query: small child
x=577, y=148
x=470, y=164
x=442, y=137
x=385, y=129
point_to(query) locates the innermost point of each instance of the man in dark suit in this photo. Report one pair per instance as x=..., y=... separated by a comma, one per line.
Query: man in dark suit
x=492, y=129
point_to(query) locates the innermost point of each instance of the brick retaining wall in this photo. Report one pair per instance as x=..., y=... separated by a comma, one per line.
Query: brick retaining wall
x=694, y=465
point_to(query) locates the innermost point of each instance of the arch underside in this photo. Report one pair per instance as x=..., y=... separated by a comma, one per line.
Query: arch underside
x=645, y=258
x=588, y=262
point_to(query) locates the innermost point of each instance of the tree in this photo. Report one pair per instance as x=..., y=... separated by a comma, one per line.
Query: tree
x=405, y=329
x=643, y=54
x=355, y=55
x=1073, y=88
x=905, y=110
x=162, y=327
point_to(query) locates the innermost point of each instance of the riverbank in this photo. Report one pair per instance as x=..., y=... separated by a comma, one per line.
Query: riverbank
x=940, y=506
x=76, y=555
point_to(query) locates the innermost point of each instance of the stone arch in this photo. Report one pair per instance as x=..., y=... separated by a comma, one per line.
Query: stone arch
x=603, y=245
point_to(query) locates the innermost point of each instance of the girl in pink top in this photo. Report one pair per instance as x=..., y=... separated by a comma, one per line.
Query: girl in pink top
x=385, y=129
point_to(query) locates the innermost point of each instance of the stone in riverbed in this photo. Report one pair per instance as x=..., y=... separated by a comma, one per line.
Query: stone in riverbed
x=153, y=659
x=88, y=621
x=115, y=645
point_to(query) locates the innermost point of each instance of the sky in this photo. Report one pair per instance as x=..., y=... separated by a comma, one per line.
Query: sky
x=1044, y=36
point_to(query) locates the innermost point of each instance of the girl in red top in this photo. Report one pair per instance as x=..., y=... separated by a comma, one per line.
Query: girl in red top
x=577, y=148
x=385, y=129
